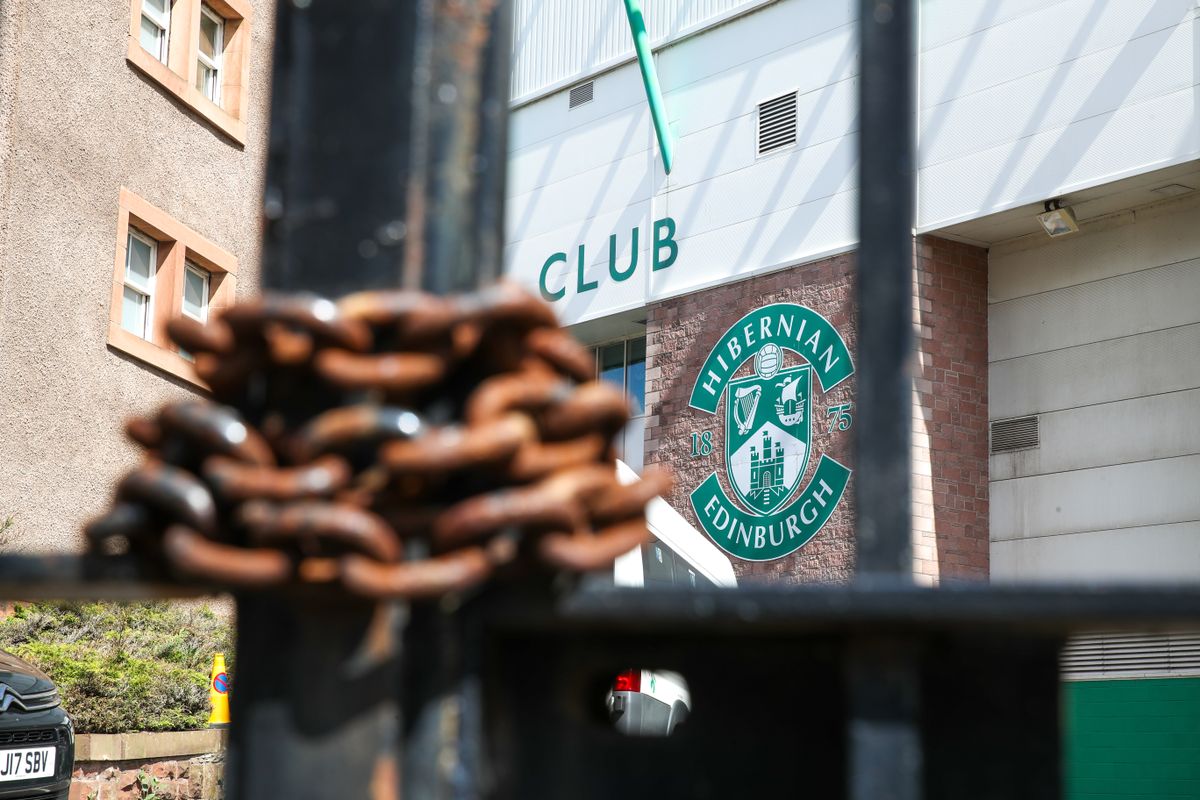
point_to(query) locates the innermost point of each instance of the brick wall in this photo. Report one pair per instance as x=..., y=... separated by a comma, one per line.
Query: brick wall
x=950, y=434
x=950, y=405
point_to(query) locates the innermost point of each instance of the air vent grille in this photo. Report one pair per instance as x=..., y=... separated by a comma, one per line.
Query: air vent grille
x=777, y=123
x=1131, y=655
x=29, y=737
x=1015, y=434
x=581, y=94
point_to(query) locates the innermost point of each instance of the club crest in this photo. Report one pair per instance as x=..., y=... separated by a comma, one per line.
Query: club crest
x=769, y=420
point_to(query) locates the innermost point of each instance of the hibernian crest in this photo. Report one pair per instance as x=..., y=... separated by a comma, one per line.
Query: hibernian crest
x=769, y=419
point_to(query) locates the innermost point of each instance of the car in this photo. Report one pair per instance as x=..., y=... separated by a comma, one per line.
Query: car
x=37, y=737
x=645, y=702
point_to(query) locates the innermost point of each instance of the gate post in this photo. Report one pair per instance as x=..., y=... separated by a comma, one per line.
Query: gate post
x=884, y=676
x=385, y=170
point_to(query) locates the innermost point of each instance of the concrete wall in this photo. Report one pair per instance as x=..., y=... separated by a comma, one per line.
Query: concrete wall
x=76, y=124
x=1098, y=335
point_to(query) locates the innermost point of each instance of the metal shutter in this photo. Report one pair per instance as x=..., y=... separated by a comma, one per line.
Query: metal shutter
x=1131, y=655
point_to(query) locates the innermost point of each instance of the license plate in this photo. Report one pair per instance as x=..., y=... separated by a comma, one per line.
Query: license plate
x=26, y=763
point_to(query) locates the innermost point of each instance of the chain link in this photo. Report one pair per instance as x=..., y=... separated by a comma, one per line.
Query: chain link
x=395, y=443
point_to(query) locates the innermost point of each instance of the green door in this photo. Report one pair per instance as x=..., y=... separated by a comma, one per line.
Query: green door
x=1132, y=739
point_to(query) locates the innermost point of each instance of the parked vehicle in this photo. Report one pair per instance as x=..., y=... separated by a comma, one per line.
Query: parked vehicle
x=647, y=702
x=37, y=739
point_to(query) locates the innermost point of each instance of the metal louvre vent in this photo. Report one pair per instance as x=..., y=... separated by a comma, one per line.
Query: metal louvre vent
x=1131, y=655
x=1015, y=434
x=777, y=123
x=580, y=94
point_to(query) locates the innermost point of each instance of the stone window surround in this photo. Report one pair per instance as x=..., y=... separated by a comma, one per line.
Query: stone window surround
x=178, y=75
x=177, y=244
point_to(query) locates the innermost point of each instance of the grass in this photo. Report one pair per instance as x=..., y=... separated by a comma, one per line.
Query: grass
x=123, y=667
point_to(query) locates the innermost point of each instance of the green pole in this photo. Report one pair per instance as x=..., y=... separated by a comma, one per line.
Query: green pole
x=658, y=111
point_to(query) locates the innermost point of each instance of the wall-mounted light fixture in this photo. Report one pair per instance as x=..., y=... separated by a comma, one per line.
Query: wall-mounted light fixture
x=1058, y=220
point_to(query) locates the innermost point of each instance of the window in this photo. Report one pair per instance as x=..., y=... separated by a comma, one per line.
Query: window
x=208, y=62
x=141, y=262
x=663, y=567
x=195, y=292
x=623, y=364
x=163, y=270
x=198, y=51
x=156, y=27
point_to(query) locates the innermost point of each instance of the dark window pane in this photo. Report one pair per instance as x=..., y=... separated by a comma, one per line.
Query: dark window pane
x=657, y=564
x=637, y=375
x=612, y=364
x=687, y=576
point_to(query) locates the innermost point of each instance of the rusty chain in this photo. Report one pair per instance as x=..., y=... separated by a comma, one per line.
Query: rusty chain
x=394, y=443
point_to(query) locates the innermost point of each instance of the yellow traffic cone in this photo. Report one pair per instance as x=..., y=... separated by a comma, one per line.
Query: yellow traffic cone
x=218, y=693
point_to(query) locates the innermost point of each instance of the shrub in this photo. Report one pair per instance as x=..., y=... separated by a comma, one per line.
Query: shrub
x=123, y=667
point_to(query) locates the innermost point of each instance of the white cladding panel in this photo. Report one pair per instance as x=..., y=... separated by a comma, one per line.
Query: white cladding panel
x=1023, y=101
x=1140, y=429
x=1118, y=369
x=1141, y=493
x=1167, y=553
x=1020, y=101
x=1136, y=302
x=1099, y=334
x=560, y=41
x=582, y=176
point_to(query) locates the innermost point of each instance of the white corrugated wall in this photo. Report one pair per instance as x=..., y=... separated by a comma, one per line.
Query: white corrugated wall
x=1099, y=334
x=556, y=41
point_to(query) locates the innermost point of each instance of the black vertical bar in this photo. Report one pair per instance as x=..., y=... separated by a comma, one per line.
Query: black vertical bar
x=385, y=170
x=464, y=153
x=883, y=735
x=339, y=161
x=387, y=146
x=464, y=169
x=883, y=676
x=885, y=214
x=314, y=712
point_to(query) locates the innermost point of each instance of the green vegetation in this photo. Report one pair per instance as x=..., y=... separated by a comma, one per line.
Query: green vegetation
x=149, y=786
x=123, y=667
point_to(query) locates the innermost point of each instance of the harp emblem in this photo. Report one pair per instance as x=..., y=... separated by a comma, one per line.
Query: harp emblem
x=745, y=403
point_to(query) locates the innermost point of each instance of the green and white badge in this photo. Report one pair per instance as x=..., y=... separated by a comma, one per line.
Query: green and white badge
x=769, y=417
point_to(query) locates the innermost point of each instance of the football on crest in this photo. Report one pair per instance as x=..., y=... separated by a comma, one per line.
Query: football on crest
x=768, y=360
